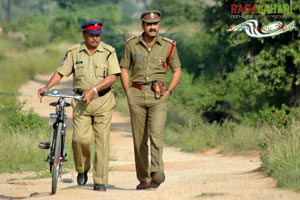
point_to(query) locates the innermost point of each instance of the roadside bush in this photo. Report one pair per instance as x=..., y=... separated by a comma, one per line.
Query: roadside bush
x=19, y=152
x=190, y=133
x=280, y=117
x=281, y=157
x=21, y=131
x=22, y=121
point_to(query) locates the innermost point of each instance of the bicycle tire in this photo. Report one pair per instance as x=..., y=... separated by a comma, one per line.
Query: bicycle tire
x=56, y=167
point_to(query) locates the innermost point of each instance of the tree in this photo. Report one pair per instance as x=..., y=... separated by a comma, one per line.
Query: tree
x=16, y=9
x=77, y=4
x=258, y=73
x=7, y=9
x=250, y=74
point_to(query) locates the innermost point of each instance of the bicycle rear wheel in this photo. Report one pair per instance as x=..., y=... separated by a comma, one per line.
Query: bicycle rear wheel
x=56, y=167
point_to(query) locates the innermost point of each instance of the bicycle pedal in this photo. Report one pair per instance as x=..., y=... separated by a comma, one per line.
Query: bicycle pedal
x=47, y=159
x=44, y=145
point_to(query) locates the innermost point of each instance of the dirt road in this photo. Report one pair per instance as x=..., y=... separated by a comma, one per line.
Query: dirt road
x=203, y=175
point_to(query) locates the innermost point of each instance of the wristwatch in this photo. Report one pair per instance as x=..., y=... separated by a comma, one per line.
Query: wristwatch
x=95, y=90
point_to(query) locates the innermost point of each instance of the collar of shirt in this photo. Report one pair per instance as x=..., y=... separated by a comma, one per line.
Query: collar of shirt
x=158, y=41
x=84, y=47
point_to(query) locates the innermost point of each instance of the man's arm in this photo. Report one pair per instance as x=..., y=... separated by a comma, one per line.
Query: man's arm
x=125, y=79
x=56, y=77
x=175, y=79
x=105, y=83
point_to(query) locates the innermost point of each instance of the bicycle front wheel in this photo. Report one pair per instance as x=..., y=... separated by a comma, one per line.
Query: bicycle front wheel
x=56, y=167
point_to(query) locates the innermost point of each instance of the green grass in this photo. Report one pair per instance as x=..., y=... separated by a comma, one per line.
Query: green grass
x=199, y=136
x=281, y=158
x=20, y=152
x=188, y=132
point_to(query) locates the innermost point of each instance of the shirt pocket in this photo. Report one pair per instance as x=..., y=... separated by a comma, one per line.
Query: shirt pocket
x=101, y=71
x=79, y=70
x=158, y=63
x=139, y=63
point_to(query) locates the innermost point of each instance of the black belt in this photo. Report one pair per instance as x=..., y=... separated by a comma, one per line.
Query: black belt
x=100, y=93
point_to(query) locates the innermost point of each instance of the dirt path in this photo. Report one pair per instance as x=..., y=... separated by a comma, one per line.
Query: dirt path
x=204, y=175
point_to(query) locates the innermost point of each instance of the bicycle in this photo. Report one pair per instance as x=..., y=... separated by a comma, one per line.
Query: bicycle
x=56, y=155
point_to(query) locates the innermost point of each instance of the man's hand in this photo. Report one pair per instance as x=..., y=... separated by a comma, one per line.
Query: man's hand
x=167, y=92
x=41, y=92
x=56, y=77
x=88, y=95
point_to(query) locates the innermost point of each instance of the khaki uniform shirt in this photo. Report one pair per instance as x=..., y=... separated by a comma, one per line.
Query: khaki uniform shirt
x=148, y=65
x=89, y=70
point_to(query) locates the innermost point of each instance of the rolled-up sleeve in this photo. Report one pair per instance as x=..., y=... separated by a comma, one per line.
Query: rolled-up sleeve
x=66, y=66
x=126, y=58
x=114, y=67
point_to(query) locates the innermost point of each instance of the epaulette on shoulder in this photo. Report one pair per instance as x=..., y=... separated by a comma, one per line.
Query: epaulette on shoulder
x=132, y=37
x=108, y=47
x=169, y=40
x=74, y=47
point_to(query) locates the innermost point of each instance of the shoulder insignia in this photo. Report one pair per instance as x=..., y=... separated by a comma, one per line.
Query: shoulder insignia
x=169, y=40
x=132, y=37
x=74, y=47
x=108, y=47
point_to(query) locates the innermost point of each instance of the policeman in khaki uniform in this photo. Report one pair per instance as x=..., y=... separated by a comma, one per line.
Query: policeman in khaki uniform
x=148, y=57
x=94, y=66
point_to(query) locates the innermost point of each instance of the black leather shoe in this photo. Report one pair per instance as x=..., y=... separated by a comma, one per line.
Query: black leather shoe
x=100, y=187
x=157, y=179
x=82, y=178
x=143, y=186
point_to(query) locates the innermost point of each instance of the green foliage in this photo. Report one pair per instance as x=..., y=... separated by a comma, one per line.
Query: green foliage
x=20, y=133
x=190, y=133
x=14, y=10
x=185, y=94
x=281, y=158
x=36, y=34
x=250, y=74
x=65, y=26
x=279, y=117
x=178, y=12
x=18, y=121
x=19, y=152
x=78, y=4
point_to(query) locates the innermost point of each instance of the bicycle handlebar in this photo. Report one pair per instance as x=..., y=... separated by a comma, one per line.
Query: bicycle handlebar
x=78, y=97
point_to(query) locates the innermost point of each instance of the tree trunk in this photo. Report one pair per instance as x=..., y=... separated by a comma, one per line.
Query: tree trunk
x=295, y=99
x=8, y=10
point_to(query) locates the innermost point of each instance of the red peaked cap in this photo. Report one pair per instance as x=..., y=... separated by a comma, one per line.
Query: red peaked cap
x=92, y=28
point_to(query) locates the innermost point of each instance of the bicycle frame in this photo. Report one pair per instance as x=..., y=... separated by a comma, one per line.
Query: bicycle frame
x=56, y=155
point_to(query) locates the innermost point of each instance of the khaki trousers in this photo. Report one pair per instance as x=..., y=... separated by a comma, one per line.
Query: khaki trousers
x=90, y=120
x=148, y=117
